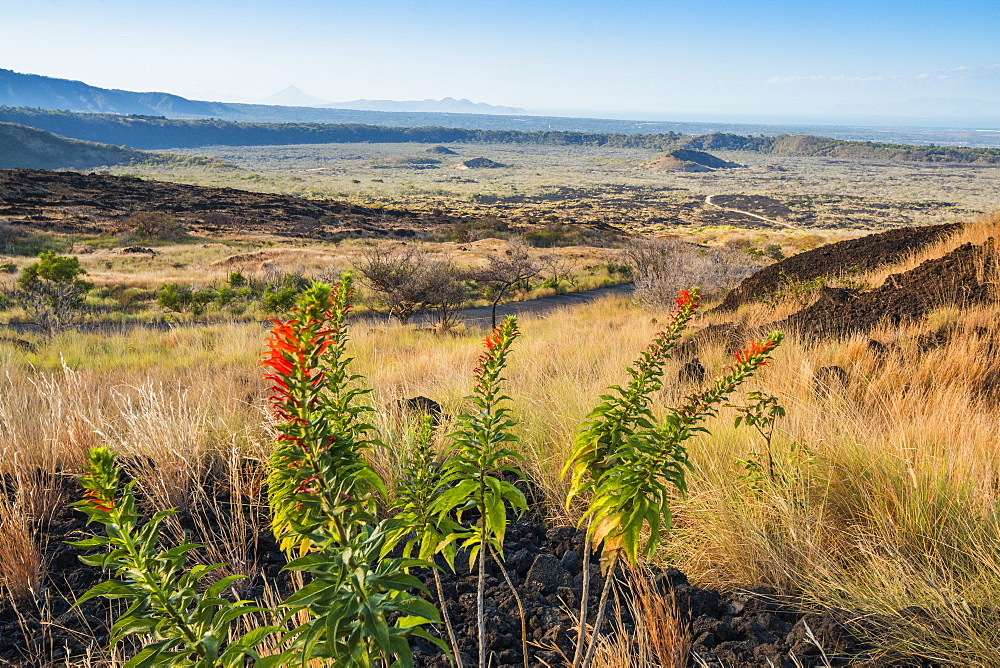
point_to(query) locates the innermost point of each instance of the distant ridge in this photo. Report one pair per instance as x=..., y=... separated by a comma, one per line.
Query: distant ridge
x=33, y=90
x=448, y=105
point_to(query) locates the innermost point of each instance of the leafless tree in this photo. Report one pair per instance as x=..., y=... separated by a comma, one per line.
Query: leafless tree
x=395, y=271
x=663, y=266
x=505, y=270
x=447, y=291
x=408, y=281
x=557, y=268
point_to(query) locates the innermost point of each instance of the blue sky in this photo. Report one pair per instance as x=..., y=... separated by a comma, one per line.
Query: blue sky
x=667, y=59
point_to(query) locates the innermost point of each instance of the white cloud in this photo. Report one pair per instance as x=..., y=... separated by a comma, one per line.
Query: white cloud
x=819, y=78
x=962, y=72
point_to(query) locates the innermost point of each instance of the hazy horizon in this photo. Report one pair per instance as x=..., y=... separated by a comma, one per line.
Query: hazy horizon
x=927, y=63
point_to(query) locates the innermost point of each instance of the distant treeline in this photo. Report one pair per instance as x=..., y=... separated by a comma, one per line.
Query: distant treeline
x=156, y=132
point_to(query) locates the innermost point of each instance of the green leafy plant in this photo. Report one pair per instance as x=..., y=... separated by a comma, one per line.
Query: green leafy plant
x=349, y=602
x=761, y=413
x=417, y=527
x=184, y=622
x=183, y=298
x=474, y=474
x=277, y=298
x=629, y=461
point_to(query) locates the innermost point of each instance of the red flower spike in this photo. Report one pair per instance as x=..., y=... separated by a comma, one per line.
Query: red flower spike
x=98, y=502
x=684, y=299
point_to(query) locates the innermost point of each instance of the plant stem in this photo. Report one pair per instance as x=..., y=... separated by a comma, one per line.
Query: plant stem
x=584, y=604
x=139, y=562
x=447, y=619
x=596, y=634
x=520, y=608
x=480, y=592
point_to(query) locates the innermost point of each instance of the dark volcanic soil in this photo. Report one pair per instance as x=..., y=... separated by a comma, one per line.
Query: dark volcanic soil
x=750, y=628
x=71, y=202
x=966, y=276
x=853, y=255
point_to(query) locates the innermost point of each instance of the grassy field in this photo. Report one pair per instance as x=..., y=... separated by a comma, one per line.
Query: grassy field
x=883, y=496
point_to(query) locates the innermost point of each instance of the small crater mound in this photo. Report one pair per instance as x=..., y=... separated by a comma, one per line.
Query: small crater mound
x=687, y=160
x=479, y=163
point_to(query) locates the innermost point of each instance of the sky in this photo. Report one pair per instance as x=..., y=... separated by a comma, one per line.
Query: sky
x=657, y=60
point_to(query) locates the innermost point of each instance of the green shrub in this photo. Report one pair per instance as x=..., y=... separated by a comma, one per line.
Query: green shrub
x=183, y=298
x=51, y=291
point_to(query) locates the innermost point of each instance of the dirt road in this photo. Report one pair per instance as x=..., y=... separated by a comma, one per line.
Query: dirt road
x=477, y=317
x=480, y=315
x=779, y=223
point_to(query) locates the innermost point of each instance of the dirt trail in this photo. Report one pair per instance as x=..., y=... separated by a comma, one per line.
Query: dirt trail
x=779, y=223
x=478, y=316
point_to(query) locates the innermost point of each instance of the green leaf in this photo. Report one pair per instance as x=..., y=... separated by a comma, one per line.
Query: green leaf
x=107, y=589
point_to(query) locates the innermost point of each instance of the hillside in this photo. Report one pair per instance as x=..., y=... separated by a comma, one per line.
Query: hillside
x=864, y=254
x=157, y=132
x=33, y=90
x=688, y=160
x=21, y=146
x=810, y=146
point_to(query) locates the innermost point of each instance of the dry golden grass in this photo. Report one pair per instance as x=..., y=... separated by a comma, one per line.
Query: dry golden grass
x=21, y=566
x=660, y=636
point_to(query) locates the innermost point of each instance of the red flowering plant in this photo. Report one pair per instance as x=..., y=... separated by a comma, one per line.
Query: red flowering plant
x=623, y=414
x=320, y=486
x=323, y=492
x=634, y=493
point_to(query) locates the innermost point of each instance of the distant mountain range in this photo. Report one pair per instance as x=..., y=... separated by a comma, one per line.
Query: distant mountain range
x=33, y=90
x=448, y=105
